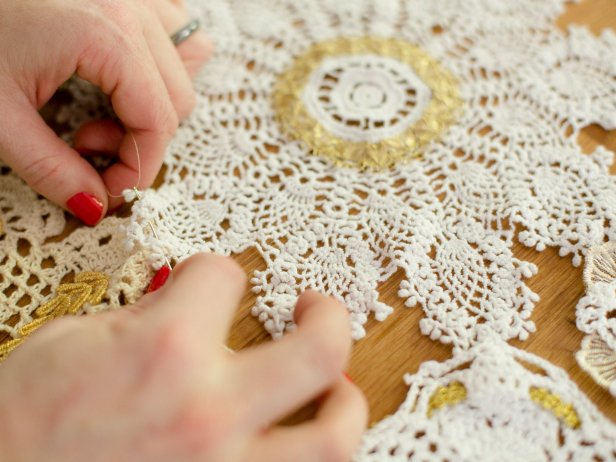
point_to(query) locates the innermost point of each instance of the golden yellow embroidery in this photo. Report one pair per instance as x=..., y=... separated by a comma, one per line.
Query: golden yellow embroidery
x=450, y=395
x=88, y=288
x=297, y=122
x=554, y=404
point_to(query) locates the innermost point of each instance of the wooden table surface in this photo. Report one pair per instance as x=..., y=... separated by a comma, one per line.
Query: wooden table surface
x=396, y=346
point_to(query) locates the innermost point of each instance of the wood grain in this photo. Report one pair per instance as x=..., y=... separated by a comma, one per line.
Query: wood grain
x=396, y=346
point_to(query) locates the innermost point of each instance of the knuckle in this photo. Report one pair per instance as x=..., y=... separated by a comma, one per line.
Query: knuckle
x=173, y=344
x=41, y=171
x=201, y=425
x=119, y=12
x=162, y=116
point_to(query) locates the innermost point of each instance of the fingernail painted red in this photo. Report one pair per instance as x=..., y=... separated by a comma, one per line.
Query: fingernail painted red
x=348, y=377
x=86, y=207
x=159, y=279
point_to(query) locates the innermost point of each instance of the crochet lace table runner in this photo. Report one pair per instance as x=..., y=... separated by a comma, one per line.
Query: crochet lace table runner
x=347, y=140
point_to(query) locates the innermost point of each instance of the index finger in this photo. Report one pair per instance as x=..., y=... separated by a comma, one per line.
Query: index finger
x=297, y=368
x=203, y=292
x=332, y=435
x=123, y=67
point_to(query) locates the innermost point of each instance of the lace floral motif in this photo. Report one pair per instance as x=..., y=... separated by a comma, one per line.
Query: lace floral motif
x=495, y=402
x=248, y=169
x=595, y=316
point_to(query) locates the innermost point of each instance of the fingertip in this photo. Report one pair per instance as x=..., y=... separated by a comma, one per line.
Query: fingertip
x=205, y=289
x=141, y=156
x=312, y=298
x=99, y=136
x=304, y=301
x=120, y=177
x=198, y=259
x=323, y=327
x=201, y=262
x=341, y=420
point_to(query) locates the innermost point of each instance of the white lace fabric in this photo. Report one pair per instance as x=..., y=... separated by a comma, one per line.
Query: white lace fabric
x=235, y=180
x=491, y=403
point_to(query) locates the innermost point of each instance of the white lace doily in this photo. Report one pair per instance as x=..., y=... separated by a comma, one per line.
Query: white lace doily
x=346, y=140
x=491, y=403
x=595, y=315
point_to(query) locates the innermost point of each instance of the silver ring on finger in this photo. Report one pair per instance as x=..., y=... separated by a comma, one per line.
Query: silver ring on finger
x=185, y=32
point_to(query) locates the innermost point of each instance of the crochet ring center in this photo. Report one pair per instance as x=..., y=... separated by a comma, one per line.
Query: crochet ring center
x=366, y=102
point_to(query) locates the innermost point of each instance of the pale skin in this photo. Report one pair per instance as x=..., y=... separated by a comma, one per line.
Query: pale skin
x=121, y=46
x=152, y=382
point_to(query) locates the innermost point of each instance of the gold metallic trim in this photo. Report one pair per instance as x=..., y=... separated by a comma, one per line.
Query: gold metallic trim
x=553, y=403
x=296, y=122
x=88, y=288
x=449, y=395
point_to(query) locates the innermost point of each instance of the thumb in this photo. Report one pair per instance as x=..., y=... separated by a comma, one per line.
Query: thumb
x=47, y=163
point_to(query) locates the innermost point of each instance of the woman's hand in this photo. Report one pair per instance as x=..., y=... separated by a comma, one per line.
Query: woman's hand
x=122, y=46
x=154, y=382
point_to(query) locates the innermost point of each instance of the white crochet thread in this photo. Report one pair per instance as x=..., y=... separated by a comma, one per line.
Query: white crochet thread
x=491, y=403
x=507, y=157
x=595, y=316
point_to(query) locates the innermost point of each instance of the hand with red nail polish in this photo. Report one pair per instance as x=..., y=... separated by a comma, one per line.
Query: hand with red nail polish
x=123, y=47
x=153, y=382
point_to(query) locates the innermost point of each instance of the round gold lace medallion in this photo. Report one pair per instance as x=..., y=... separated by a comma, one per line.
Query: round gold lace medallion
x=366, y=102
